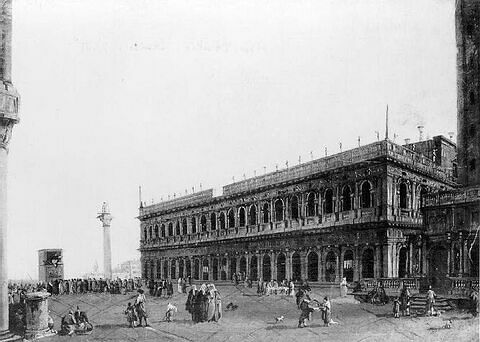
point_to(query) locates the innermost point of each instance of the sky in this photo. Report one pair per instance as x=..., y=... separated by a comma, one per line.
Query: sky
x=171, y=94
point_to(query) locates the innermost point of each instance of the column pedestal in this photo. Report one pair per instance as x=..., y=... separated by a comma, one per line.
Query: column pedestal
x=37, y=316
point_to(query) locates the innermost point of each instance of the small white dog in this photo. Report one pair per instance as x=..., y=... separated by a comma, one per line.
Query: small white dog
x=279, y=319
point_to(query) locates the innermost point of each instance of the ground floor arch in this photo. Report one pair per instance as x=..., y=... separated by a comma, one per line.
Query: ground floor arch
x=330, y=266
x=205, y=269
x=402, y=262
x=368, y=263
x=296, y=267
x=312, y=269
x=437, y=265
x=243, y=265
x=181, y=268
x=267, y=268
x=348, y=265
x=254, y=268
x=196, y=269
x=215, y=269
x=233, y=267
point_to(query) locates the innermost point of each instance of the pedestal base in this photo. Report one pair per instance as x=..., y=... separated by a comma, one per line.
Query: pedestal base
x=32, y=335
x=7, y=336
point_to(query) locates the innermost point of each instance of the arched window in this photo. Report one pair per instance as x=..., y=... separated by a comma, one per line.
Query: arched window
x=184, y=227
x=222, y=220
x=241, y=217
x=231, y=218
x=162, y=230
x=266, y=213
x=203, y=223
x=347, y=198
x=194, y=225
x=311, y=204
x=150, y=235
x=177, y=228
x=423, y=192
x=145, y=237
x=213, y=221
x=156, y=231
x=252, y=215
x=329, y=201
x=366, y=195
x=403, y=196
x=170, y=229
x=278, y=210
x=294, y=207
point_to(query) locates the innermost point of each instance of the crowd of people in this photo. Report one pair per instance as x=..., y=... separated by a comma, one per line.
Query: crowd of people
x=204, y=304
x=165, y=287
x=17, y=291
x=273, y=287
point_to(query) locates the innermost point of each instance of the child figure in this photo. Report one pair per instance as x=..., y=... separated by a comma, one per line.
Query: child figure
x=396, y=308
x=169, y=313
x=131, y=315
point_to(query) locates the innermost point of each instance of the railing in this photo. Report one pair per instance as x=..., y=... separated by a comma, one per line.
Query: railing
x=451, y=197
x=393, y=283
x=463, y=286
x=356, y=155
x=195, y=198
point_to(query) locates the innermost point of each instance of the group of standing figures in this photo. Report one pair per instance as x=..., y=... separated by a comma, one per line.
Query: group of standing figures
x=204, y=304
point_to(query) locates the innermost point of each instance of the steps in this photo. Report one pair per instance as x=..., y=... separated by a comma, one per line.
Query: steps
x=419, y=303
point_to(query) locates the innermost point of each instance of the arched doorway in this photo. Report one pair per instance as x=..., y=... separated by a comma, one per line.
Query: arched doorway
x=367, y=263
x=233, y=267
x=165, y=269
x=215, y=269
x=173, y=270
x=254, y=268
x=348, y=265
x=243, y=266
x=196, y=270
x=188, y=268
x=402, y=263
x=296, y=267
x=266, y=268
x=438, y=265
x=330, y=266
x=180, y=269
x=205, y=269
x=223, y=274
x=313, y=266
x=281, y=267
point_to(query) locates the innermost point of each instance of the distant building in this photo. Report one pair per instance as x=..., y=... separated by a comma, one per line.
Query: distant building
x=128, y=269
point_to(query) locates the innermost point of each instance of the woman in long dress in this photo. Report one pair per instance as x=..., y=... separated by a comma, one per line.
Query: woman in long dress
x=214, y=310
x=190, y=304
x=140, y=308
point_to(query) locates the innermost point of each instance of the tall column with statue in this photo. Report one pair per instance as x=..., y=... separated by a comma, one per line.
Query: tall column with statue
x=106, y=218
x=9, y=100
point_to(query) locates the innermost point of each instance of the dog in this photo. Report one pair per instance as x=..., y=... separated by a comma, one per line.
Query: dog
x=169, y=313
x=279, y=319
x=232, y=307
x=448, y=325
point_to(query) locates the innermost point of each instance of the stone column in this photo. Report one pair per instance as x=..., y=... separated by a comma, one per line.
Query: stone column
x=288, y=265
x=106, y=218
x=8, y=118
x=259, y=266
x=37, y=315
x=273, y=262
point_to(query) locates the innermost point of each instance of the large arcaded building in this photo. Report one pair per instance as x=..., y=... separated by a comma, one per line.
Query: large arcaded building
x=356, y=214
x=378, y=211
